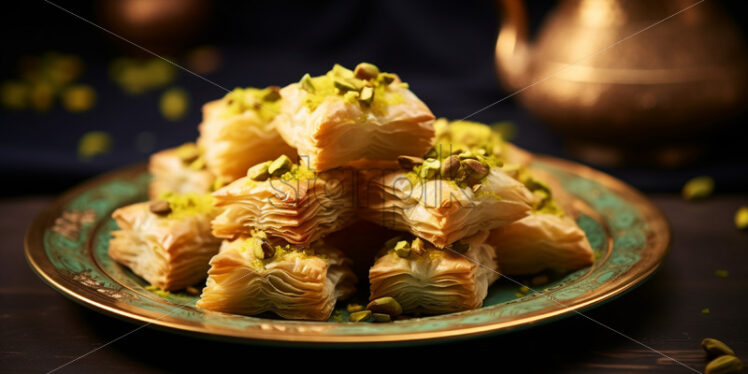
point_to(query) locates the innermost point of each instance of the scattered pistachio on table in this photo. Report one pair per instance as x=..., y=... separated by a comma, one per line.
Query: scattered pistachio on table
x=724, y=365
x=714, y=347
x=698, y=188
x=741, y=218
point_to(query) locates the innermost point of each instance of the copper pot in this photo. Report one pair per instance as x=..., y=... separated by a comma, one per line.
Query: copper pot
x=650, y=96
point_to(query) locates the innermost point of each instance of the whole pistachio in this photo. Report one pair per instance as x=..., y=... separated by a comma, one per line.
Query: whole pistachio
x=450, y=166
x=259, y=172
x=306, y=83
x=402, y=248
x=360, y=316
x=715, y=347
x=409, y=162
x=273, y=94
x=160, y=207
x=386, y=305
x=430, y=168
x=366, y=71
x=724, y=365
x=279, y=166
x=474, y=170
x=698, y=188
x=381, y=317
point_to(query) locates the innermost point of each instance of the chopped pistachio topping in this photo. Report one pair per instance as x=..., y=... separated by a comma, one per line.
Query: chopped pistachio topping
x=366, y=95
x=418, y=246
x=469, y=140
x=544, y=202
x=259, y=172
x=264, y=102
x=390, y=244
x=280, y=166
x=187, y=205
x=698, y=188
x=450, y=166
x=366, y=86
x=386, y=305
x=402, y=248
x=264, y=250
x=429, y=168
x=741, y=218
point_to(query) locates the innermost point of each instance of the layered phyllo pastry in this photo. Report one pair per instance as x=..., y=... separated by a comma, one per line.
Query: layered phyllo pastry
x=258, y=274
x=547, y=239
x=429, y=280
x=443, y=197
x=286, y=200
x=237, y=131
x=179, y=170
x=347, y=115
x=167, y=241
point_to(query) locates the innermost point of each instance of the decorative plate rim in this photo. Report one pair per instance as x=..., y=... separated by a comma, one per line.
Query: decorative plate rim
x=38, y=260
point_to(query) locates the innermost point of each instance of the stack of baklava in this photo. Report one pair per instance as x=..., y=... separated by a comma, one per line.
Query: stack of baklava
x=275, y=170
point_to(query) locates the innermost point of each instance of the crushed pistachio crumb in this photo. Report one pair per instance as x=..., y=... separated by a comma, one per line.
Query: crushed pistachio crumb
x=264, y=102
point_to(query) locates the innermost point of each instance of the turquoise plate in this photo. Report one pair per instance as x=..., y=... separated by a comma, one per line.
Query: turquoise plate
x=67, y=246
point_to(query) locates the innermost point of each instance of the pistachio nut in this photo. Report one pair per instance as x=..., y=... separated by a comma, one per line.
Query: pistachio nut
x=160, y=207
x=366, y=71
x=306, y=83
x=715, y=347
x=402, y=248
x=724, y=365
x=474, y=170
x=390, y=244
x=259, y=172
x=360, y=316
x=367, y=95
x=430, y=168
x=273, y=94
x=387, y=78
x=450, y=166
x=431, y=153
x=381, y=317
x=279, y=166
x=386, y=305
x=344, y=85
x=418, y=246
x=698, y=188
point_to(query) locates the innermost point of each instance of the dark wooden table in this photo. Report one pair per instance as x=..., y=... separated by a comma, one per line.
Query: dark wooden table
x=41, y=330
